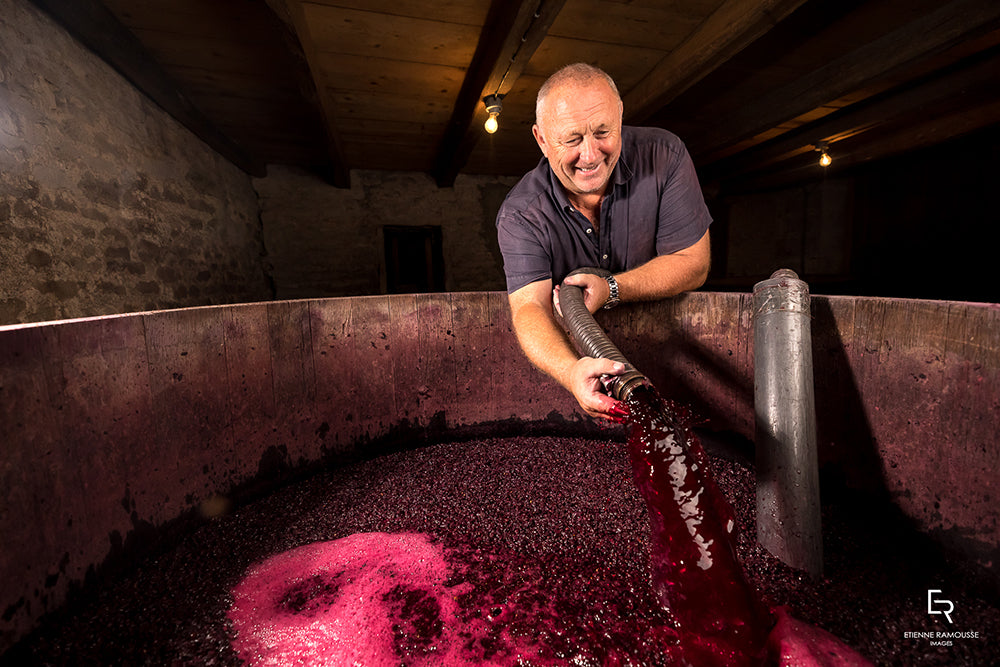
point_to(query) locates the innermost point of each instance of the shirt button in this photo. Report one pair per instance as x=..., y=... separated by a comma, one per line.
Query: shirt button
x=605, y=257
x=590, y=231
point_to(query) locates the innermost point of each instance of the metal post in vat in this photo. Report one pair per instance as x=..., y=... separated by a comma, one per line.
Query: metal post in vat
x=788, y=503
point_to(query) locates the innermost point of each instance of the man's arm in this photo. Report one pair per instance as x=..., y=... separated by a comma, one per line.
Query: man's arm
x=659, y=278
x=667, y=275
x=549, y=349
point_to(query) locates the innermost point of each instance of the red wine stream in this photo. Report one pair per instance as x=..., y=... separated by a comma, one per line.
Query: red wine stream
x=696, y=575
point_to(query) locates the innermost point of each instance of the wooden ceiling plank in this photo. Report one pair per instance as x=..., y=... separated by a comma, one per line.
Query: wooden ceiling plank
x=510, y=35
x=97, y=28
x=202, y=82
x=254, y=57
x=450, y=11
x=662, y=26
x=889, y=143
x=934, y=131
x=949, y=86
x=923, y=37
x=624, y=62
x=224, y=56
x=411, y=82
x=362, y=33
x=729, y=29
x=373, y=105
x=339, y=173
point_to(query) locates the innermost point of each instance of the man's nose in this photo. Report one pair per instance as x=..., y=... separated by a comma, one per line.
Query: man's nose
x=589, y=149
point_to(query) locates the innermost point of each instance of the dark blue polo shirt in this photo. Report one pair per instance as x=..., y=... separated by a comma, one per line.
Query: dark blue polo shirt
x=653, y=207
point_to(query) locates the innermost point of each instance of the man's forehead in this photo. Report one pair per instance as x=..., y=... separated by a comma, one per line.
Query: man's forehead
x=574, y=108
x=570, y=91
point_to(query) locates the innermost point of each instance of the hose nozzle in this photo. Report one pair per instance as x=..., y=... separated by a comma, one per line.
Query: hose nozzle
x=622, y=386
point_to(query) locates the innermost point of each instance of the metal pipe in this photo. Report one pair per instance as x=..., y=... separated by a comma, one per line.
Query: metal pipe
x=592, y=340
x=788, y=502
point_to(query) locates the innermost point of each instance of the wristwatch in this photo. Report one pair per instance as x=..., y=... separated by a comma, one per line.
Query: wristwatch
x=613, y=299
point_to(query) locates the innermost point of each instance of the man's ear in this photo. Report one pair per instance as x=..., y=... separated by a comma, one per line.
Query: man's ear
x=540, y=138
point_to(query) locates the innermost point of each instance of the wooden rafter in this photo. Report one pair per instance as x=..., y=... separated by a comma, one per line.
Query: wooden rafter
x=962, y=85
x=98, y=29
x=511, y=33
x=339, y=172
x=920, y=38
x=732, y=27
x=889, y=141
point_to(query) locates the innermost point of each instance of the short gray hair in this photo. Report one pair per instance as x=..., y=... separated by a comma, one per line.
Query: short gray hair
x=578, y=74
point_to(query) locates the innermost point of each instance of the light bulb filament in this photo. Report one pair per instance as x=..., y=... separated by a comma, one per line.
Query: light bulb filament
x=824, y=157
x=494, y=104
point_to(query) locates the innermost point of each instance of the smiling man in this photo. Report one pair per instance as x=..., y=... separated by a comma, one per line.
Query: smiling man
x=625, y=199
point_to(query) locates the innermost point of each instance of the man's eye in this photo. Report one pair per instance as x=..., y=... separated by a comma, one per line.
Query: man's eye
x=572, y=142
x=602, y=134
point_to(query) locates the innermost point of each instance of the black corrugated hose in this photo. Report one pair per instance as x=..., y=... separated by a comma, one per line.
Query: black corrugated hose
x=591, y=339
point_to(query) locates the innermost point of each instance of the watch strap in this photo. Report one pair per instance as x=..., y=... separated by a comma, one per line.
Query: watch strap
x=613, y=299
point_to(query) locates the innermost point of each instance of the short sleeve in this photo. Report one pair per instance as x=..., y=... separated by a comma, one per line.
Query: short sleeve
x=683, y=217
x=525, y=259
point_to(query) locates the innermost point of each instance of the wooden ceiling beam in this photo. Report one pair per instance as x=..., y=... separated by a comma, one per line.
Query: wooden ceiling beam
x=932, y=132
x=731, y=28
x=98, y=29
x=338, y=172
x=964, y=84
x=890, y=142
x=511, y=34
x=923, y=37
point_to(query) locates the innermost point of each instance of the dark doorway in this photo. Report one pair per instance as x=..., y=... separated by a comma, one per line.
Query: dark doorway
x=414, y=261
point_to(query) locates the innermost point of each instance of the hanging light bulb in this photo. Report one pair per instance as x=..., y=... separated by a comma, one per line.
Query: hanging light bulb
x=493, y=107
x=824, y=156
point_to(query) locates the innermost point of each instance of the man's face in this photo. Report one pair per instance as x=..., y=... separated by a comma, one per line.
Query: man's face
x=580, y=133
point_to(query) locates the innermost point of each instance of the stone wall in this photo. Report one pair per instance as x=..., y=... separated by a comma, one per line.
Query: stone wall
x=324, y=241
x=107, y=205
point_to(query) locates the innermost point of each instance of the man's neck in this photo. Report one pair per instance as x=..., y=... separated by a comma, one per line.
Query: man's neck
x=589, y=204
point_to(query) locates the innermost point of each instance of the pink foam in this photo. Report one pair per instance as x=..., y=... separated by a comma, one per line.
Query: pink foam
x=378, y=599
x=794, y=643
x=339, y=603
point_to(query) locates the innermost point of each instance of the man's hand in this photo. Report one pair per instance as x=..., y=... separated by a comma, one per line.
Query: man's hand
x=545, y=344
x=595, y=291
x=586, y=386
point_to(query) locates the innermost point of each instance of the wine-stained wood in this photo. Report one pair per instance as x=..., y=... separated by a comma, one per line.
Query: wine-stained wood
x=140, y=405
x=96, y=27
